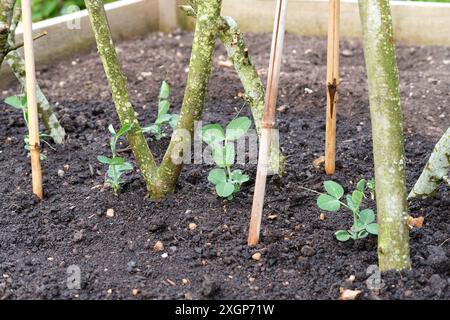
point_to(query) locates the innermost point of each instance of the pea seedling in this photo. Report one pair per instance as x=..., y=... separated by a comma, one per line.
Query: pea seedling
x=164, y=117
x=226, y=181
x=363, y=220
x=117, y=165
x=20, y=103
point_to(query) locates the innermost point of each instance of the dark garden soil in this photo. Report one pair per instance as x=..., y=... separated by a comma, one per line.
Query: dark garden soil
x=301, y=259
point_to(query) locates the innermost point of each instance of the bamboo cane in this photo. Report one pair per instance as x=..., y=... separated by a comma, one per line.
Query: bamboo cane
x=332, y=84
x=33, y=124
x=268, y=121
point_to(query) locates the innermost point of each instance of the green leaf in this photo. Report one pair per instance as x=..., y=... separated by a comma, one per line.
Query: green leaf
x=212, y=133
x=125, y=128
x=225, y=190
x=237, y=128
x=125, y=167
x=334, y=189
x=111, y=130
x=163, y=119
x=328, y=203
x=342, y=235
x=104, y=160
x=362, y=234
x=350, y=202
x=361, y=185
x=164, y=92
x=153, y=129
x=18, y=102
x=358, y=226
x=239, y=177
x=174, y=121
x=230, y=154
x=224, y=156
x=116, y=161
x=372, y=228
x=217, y=176
x=357, y=197
x=367, y=216
x=163, y=107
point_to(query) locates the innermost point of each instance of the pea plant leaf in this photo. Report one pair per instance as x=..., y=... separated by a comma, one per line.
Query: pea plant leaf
x=212, y=134
x=361, y=185
x=357, y=197
x=328, y=203
x=237, y=128
x=18, y=102
x=239, y=177
x=164, y=91
x=342, y=235
x=372, y=228
x=225, y=189
x=217, y=176
x=367, y=216
x=334, y=189
x=125, y=128
x=163, y=108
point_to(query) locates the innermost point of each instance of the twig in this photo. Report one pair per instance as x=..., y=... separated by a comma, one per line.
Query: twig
x=332, y=85
x=268, y=122
x=43, y=34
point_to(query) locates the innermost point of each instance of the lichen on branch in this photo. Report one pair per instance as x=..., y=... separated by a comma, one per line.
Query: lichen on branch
x=387, y=134
x=436, y=170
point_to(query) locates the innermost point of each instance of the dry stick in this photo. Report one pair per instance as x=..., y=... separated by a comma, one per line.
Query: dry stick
x=33, y=124
x=268, y=121
x=332, y=85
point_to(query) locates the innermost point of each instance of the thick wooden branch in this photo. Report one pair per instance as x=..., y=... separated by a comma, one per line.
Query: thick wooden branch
x=119, y=91
x=436, y=170
x=387, y=134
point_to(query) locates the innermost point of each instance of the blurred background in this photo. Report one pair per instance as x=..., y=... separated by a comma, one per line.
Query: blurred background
x=44, y=9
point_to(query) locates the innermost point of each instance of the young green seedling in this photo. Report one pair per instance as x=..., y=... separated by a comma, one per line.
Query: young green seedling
x=117, y=165
x=363, y=220
x=227, y=182
x=20, y=103
x=164, y=117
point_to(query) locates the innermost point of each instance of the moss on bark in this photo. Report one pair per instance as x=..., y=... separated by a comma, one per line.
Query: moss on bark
x=206, y=29
x=119, y=91
x=436, y=170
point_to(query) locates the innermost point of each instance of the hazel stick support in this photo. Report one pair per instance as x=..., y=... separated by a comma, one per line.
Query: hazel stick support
x=332, y=85
x=33, y=123
x=268, y=121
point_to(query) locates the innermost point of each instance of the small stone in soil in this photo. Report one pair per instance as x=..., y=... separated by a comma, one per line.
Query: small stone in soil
x=192, y=226
x=135, y=292
x=110, y=213
x=159, y=246
x=209, y=288
x=347, y=294
x=164, y=255
x=307, y=251
x=256, y=256
x=61, y=173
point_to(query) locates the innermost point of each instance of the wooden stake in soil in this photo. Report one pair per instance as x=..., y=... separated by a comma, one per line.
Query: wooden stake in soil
x=332, y=84
x=33, y=124
x=268, y=121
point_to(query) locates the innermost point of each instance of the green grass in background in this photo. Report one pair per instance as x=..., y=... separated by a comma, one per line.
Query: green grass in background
x=44, y=9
